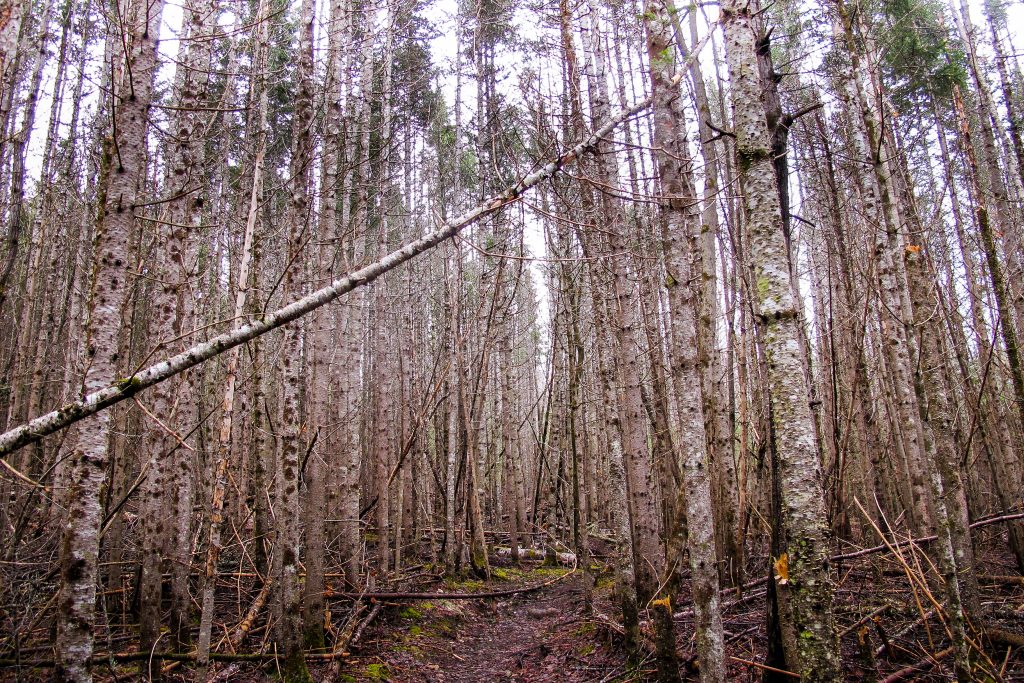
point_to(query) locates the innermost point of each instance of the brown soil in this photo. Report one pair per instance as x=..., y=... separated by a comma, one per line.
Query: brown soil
x=529, y=637
x=544, y=636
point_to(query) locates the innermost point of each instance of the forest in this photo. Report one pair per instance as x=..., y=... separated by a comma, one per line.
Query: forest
x=483, y=340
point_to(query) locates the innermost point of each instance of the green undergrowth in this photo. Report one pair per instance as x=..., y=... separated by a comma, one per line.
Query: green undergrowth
x=586, y=629
x=414, y=651
x=412, y=613
x=429, y=619
x=464, y=585
x=508, y=574
x=376, y=671
x=605, y=580
x=549, y=572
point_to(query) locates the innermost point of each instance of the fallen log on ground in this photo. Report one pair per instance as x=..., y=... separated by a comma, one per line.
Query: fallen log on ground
x=244, y=626
x=125, y=657
x=924, y=539
x=567, y=559
x=1001, y=578
x=999, y=636
x=452, y=596
x=917, y=667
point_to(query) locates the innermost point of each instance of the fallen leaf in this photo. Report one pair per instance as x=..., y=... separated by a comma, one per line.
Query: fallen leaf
x=782, y=569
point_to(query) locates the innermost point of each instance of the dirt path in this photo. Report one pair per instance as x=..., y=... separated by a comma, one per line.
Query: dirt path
x=509, y=637
x=529, y=637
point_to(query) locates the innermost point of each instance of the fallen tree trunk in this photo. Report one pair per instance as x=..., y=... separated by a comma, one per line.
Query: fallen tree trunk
x=359, y=630
x=924, y=539
x=453, y=596
x=121, y=389
x=998, y=636
x=918, y=667
x=255, y=609
x=353, y=626
x=567, y=559
x=167, y=656
x=1009, y=580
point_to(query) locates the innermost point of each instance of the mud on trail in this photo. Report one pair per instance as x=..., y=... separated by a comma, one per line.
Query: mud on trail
x=530, y=637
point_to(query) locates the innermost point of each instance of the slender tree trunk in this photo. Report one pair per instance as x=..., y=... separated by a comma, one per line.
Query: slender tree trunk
x=169, y=491
x=123, y=172
x=292, y=427
x=22, y=138
x=807, y=581
x=352, y=323
x=716, y=413
x=990, y=411
x=683, y=263
x=224, y=443
x=1009, y=293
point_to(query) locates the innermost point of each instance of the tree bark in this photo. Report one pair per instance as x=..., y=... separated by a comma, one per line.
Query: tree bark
x=224, y=442
x=807, y=582
x=122, y=175
x=684, y=279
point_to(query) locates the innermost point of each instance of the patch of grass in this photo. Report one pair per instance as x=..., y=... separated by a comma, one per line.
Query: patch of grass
x=410, y=613
x=376, y=671
x=347, y=678
x=507, y=574
x=413, y=650
x=605, y=580
x=464, y=585
x=585, y=629
x=415, y=631
x=549, y=572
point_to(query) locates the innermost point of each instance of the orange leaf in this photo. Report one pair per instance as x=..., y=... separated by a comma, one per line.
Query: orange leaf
x=782, y=569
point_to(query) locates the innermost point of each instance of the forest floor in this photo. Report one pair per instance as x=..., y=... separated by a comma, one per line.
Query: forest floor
x=533, y=629
x=544, y=635
x=536, y=636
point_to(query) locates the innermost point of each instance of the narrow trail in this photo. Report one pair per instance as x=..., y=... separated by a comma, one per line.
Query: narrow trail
x=529, y=637
x=509, y=638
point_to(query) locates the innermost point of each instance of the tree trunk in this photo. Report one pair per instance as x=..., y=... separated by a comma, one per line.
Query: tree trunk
x=123, y=172
x=684, y=266
x=292, y=428
x=807, y=582
x=224, y=442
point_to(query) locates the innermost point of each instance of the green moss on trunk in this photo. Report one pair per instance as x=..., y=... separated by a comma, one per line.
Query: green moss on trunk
x=294, y=670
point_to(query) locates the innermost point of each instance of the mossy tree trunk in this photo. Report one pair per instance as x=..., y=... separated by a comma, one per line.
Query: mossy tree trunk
x=806, y=581
x=684, y=250
x=291, y=429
